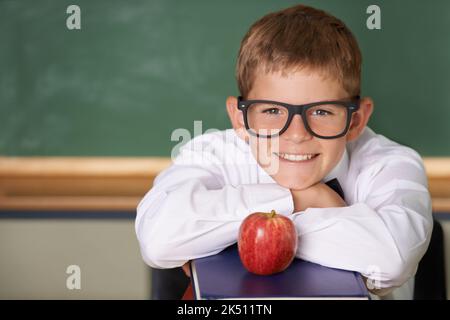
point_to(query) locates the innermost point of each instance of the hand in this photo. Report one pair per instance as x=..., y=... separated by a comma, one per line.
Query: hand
x=318, y=195
x=186, y=268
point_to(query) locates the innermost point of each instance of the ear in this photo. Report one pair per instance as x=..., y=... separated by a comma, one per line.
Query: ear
x=360, y=118
x=236, y=118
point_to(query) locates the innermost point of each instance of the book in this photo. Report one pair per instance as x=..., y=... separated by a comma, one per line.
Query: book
x=223, y=276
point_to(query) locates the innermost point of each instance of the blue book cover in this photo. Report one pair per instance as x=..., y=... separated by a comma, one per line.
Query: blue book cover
x=223, y=276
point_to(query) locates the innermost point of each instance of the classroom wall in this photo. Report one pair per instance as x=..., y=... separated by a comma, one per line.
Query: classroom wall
x=35, y=253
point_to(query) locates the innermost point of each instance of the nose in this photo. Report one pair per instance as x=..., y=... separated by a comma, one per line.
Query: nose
x=296, y=132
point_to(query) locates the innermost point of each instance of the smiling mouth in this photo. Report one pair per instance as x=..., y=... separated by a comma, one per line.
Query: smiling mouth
x=296, y=157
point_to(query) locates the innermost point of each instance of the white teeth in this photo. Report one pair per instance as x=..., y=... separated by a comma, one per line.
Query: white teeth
x=295, y=157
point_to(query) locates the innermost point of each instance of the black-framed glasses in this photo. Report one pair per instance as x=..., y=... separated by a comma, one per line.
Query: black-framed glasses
x=324, y=119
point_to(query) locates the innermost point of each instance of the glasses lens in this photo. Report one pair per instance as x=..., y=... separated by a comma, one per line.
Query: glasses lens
x=327, y=120
x=266, y=119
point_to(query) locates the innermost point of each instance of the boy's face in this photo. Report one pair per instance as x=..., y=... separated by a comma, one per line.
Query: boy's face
x=296, y=88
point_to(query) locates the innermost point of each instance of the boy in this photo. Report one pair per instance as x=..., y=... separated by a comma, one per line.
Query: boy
x=298, y=123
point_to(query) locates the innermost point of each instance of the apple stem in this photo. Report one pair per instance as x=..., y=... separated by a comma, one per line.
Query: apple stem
x=272, y=213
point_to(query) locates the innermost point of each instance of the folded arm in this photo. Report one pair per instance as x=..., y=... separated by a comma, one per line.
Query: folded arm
x=383, y=236
x=190, y=214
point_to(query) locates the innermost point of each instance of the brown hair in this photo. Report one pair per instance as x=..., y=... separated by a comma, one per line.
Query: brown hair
x=300, y=37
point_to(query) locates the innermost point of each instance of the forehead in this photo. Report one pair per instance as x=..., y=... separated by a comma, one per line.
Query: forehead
x=296, y=87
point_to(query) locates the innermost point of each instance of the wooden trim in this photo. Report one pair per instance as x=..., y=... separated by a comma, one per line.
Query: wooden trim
x=88, y=183
x=438, y=172
x=76, y=183
x=81, y=166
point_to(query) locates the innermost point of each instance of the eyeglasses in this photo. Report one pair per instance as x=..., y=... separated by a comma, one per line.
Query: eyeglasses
x=324, y=119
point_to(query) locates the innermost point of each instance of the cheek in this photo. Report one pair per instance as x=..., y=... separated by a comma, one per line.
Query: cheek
x=261, y=150
x=264, y=147
x=332, y=152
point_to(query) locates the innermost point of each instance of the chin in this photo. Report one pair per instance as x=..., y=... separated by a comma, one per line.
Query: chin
x=296, y=183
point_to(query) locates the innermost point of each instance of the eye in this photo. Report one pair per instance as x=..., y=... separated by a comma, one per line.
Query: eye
x=271, y=111
x=321, y=112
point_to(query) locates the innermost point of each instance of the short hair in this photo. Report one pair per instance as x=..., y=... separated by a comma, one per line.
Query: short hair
x=300, y=37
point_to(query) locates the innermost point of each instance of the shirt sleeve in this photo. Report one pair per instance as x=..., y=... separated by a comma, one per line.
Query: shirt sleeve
x=190, y=213
x=384, y=235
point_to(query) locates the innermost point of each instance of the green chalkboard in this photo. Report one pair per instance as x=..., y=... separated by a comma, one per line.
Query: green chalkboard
x=137, y=70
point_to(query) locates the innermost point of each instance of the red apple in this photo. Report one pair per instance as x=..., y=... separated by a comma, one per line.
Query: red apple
x=267, y=242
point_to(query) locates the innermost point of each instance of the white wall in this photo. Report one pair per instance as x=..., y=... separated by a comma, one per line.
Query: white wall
x=34, y=255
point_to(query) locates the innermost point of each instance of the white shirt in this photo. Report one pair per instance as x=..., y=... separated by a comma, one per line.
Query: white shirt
x=196, y=206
